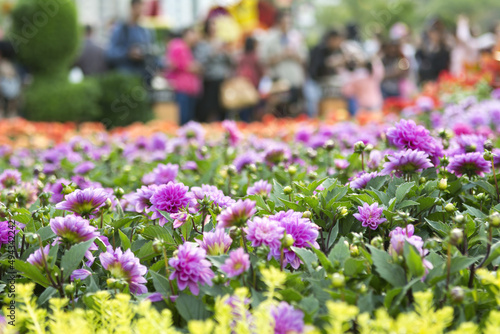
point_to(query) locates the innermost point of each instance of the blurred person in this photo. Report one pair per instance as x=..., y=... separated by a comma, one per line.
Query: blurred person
x=400, y=32
x=249, y=67
x=284, y=54
x=92, y=58
x=396, y=68
x=131, y=46
x=213, y=54
x=183, y=73
x=465, y=50
x=10, y=86
x=433, y=56
x=364, y=85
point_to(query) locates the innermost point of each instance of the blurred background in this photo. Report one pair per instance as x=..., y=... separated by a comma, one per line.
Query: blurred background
x=122, y=61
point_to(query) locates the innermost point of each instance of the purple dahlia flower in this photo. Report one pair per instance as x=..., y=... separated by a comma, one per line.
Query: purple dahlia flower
x=370, y=215
x=171, y=198
x=72, y=230
x=237, y=214
x=212, y=193
x=407, y=134
x=470, y=143
x=245, y=159
x=162, y=174
x=469, y=164
x=216, y=242
x=9, y=178
x=84, y=202
x=6, y=233
x=237, y=263
x=191, y=267
x=406, y=162
x=287, y=319
x=362, y=180
x=192, y=130
x=125, y=266
x=37, y=258
x=261, y=188
x=401, y=235
x=262, y=231
x=56, y=190
x=84, y=167
x=142, y=198
x=80, y=274
x=303, y=231
x=341, y=164
x=233, y=133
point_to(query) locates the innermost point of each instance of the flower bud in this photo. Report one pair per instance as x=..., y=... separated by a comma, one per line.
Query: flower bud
x=68, y=189
x=450, y=208
x=329, y=145
x=422, y=180
x=307, y=214
x=342, y=210
x=488, y=145
x=288, y=241
x=456, y=236
x=119, y=192
x=312, y=154
x=494, y=219
x=459, y=219
x=457, y=295
x=287, y=190
x=488, y=156
x=480, y=197
x=444, y=161
x=232, y=171
x=252, y=168
x=107, y=205
x=359, y=147
x=157, y=246
x=369, y=148
x=292, y=170
x=69, y=289
x=42, y=177
x=377, y=242
x=443, y=184
x=313, y=175
x=338, y=280
x=354, y=250
x=470, y=148
x=111, y=283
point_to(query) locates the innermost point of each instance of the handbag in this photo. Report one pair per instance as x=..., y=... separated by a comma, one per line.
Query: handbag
x=238, y=93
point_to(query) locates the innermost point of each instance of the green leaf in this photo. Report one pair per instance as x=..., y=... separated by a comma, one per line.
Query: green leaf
x=442, y=229
x=125, y=241
x=160, y=283
x=490, y=189
x=406, y=203
x=475, y=212
x=339, y=253
x=306, y=256
x=413, y=260
x=494, y=253
x=323, y=259
x=402, y=190
x=290, y=295
x=158, y=232
x=31, y=272
x=46, y=233
x=377, y=182
x=46, y=295
x=389, y=271
x=72, y=259
x=353, y=267
x=292, y=205
x=191, y=308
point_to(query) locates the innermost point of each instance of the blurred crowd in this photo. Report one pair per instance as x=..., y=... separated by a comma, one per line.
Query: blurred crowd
x=275, y=71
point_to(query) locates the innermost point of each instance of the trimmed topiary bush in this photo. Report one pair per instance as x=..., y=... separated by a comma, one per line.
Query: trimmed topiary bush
x=124, y=100
x=58, y=100
x=45, y=34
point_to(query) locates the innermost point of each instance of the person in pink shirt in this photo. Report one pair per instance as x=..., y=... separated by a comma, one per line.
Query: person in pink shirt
x=183, y=73
x=364, y=86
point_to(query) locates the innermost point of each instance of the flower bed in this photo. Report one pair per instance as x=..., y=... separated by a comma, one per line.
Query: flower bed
x=282, y=227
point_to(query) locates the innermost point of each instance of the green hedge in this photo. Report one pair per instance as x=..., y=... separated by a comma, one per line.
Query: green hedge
x=59, y=100
x=124, y=100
